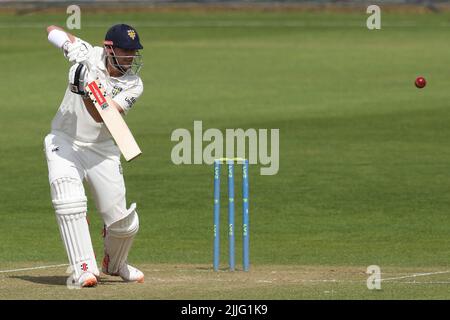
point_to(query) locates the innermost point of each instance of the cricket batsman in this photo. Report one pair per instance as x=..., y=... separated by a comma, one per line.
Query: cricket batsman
x=80, y=149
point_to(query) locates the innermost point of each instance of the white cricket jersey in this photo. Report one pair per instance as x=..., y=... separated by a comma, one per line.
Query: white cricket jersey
x=74, y=120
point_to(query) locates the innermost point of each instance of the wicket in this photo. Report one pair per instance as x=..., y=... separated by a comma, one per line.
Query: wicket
x=245, y=213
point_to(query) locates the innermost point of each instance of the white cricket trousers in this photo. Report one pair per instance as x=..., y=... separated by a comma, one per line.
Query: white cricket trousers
x=97, y=164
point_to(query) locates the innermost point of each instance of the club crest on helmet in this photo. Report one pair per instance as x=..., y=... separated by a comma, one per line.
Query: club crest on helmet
x=132, y=34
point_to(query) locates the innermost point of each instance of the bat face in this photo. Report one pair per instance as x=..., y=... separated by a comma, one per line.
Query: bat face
x=113, y=121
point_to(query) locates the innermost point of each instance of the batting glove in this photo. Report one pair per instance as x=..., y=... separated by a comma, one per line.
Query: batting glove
x=78, y=52
x=78, y=79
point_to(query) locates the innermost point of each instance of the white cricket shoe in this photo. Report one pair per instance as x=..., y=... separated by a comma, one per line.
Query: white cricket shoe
x=126, y=272
x=87, y=279
x=131, y=274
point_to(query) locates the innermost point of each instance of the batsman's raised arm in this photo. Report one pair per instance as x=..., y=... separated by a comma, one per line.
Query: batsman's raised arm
x=75, y=49
x=59, y=36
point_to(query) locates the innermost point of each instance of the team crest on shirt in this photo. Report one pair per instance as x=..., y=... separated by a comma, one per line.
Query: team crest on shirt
x=132, y=34
x=115, y=91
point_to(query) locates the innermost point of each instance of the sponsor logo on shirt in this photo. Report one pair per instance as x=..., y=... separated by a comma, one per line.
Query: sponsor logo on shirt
x=115, y=91
x=130, y=101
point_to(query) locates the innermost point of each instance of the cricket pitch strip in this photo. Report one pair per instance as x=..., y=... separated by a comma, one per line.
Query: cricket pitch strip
x=271, y=282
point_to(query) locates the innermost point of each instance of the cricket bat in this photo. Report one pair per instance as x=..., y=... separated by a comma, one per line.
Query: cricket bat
x=113, y=121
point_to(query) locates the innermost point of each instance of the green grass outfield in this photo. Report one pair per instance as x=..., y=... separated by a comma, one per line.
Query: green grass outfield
x=364, y=156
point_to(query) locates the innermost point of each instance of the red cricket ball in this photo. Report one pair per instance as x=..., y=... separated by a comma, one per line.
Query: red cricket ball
x=420, y=82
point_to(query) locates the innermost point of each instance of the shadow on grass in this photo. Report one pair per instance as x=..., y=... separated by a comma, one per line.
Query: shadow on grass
x=49, y=280
x=62, y=280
